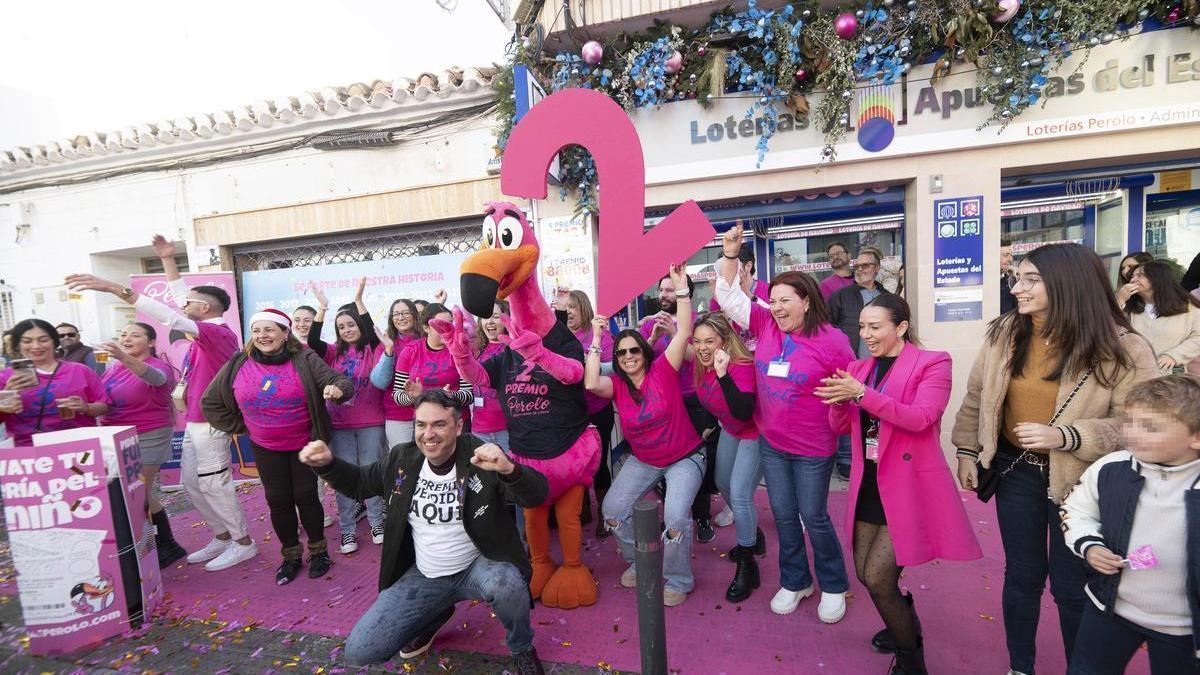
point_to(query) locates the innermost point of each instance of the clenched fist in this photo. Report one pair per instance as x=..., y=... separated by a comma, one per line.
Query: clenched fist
x=316, y=453
x=489, y=457
x=333, y=393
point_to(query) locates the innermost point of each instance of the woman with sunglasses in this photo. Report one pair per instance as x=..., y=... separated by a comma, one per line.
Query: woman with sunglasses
x=358, y=433
x=51, y=394
x=662, y=440
x=1043, y=402
x=724, y=374
x=796, y=348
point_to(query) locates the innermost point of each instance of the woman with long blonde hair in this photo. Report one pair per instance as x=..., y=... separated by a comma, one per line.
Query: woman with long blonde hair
x=724, y=372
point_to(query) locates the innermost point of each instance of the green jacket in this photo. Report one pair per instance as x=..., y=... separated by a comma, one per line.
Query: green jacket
x=485, y=519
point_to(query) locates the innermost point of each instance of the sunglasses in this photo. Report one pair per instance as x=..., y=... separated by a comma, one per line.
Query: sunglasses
x=68, y=335
x=632, y=351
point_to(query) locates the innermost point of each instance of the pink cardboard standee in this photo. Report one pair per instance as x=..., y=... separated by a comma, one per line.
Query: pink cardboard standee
x=172, y=347
x=630, y=259
x=79, y=540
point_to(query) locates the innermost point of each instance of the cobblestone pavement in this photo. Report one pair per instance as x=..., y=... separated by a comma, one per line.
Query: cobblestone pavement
x=179, y=645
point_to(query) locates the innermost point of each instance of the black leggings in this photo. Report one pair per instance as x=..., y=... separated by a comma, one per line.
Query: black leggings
x=701, y=420
x=290, y=487
x=604, y=424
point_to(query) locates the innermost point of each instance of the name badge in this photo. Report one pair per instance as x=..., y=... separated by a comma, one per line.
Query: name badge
x=478, y=401
x=871, y=449
x=778, y=369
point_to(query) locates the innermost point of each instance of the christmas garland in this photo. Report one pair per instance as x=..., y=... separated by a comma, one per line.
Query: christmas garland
x=779, y=57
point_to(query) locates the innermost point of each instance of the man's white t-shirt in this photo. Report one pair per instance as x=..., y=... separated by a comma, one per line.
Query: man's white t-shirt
x=440, y=542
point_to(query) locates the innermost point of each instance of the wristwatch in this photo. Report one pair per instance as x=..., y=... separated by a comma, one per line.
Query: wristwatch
x=127, y=294
x=683, y=293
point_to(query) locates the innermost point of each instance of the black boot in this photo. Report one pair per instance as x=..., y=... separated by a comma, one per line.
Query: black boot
x=169, y=550
x=910, y=661
x=759, y=548
x=883, y=642
x=585, y=515
x=745, y=579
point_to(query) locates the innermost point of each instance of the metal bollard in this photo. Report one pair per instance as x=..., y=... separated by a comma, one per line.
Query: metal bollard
x=648, y=561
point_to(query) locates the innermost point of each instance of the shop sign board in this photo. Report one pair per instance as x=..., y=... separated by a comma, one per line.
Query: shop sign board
x=958, y=242
x=1149, y=80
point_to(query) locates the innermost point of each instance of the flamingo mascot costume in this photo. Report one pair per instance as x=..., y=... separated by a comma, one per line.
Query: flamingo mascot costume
x=539, y=379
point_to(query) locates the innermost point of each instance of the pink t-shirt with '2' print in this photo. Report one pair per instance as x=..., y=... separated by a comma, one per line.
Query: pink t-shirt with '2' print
x=489, y=418
x=366, y=409
x=713, y=399
x=392, y=410
x=273, y=405
x=658, y=429
x=789, y=416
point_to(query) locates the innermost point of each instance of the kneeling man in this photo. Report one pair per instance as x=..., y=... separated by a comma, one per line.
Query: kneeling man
x=458, y=542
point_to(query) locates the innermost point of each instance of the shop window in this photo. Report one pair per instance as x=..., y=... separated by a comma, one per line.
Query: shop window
x=1173, y=226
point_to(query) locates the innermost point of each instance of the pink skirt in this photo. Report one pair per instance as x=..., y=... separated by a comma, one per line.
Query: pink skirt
x=575, y=466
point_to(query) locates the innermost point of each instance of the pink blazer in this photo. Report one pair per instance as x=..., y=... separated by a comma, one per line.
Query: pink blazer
x=925, y=515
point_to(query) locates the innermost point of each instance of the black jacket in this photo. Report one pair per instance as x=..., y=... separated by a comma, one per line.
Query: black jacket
x=221, y=409
x=485, y=519
x=1119, y=484
x=1008, y=301
x=844, y=307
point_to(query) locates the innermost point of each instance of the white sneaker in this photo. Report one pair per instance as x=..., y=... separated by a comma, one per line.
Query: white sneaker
x=329, y=520
x=786, y=602
x=234, y=553
x=211, y=550
x=832, y=607
x=1015, y=672
x=349, y=543
x=724, y=518
x=629, y=577
x=377, y=534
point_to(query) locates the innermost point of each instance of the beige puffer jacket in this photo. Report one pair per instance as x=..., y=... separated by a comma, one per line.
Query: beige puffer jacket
x=1092, y=422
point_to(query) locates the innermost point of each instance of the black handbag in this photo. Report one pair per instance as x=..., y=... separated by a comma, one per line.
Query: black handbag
x=989, y=478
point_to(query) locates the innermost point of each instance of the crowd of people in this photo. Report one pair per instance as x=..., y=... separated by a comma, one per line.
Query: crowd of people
x=1077, y=419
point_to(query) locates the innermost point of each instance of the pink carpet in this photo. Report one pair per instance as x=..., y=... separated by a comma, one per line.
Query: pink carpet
x=959, y=604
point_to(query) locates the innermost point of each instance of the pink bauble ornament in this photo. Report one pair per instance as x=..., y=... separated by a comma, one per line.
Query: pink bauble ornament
x=592, y=52
x=1008, y=9
x=801, y=74
x=1173, y=15
x=846, y=26
x=674, y=63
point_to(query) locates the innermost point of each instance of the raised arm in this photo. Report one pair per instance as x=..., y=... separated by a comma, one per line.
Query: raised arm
x=593, y=381
x=729, y=295
x=169, y=316
x=683, y=318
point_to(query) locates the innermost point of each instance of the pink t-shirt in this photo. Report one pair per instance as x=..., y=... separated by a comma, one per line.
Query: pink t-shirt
x=789, y=416
x=392, y=410
x=366, y=408
x=658, y=429
x=72, y=379
x=434, y=367
x=136, y=402
x=210, y=349
x=596, y=403
x=713, y=399
x=273, y=405
x=489, y=418
x=834, y=283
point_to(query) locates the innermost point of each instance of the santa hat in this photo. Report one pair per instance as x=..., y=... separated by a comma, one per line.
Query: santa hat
x=272, y=315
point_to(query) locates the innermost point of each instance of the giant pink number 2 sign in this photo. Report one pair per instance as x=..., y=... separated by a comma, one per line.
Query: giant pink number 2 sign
x=630, y=258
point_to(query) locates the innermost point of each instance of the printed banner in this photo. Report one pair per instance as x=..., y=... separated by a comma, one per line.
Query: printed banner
x=66, y=537
x=958, y=242
x=417, y=278
x=568, y=255
x=172, y=347
x=964, y=304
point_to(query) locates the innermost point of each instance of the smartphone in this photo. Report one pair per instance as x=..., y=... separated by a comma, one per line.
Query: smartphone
x=21, y=364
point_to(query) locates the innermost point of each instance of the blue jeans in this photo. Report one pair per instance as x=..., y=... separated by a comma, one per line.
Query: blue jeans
x=407, y=606
x=738, y=473
x=1034, y=549
x=359, y=447
x=798, y=488
x=683, y=481
x=843, y=452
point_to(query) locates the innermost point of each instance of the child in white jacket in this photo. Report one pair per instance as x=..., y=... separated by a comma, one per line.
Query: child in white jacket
x=1134, y=517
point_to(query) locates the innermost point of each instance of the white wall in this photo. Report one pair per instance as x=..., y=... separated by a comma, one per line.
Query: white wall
x=98, y=227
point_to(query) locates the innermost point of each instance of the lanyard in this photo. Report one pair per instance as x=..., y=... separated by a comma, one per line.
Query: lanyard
x=875, y=383
x=788, y=347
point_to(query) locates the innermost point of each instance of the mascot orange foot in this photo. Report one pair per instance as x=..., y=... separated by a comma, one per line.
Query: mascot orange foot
x=571, y=585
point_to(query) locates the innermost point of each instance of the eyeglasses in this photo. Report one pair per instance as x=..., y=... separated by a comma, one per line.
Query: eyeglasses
x=1026, y=283
x=187, y=300
x=632, y=351
x=865, y=266
x=401, y=315
x=68, y=335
